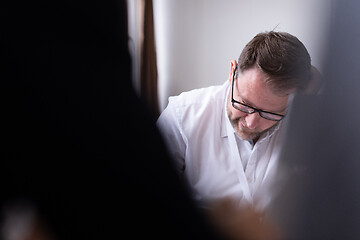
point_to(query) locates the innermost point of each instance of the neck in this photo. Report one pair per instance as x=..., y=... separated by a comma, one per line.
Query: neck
x=255, y=140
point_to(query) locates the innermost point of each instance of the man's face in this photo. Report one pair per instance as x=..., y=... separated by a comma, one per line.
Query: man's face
x=250, y=89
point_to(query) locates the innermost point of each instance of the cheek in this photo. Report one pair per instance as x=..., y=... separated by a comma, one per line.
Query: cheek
x=235, y=114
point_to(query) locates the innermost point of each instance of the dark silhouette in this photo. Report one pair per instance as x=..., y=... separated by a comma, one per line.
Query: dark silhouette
x=78, y=147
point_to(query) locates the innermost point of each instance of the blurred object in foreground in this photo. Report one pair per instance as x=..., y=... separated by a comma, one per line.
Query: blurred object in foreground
x=242, y=223
x=320, y=198
x=20, y=222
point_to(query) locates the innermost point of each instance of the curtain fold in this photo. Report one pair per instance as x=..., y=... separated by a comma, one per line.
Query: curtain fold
x=149, y=73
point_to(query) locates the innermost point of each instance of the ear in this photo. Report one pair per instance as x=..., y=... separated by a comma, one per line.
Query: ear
x=315, y=83
x=232, y=70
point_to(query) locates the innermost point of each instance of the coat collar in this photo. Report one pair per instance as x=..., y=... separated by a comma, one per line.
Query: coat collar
x=224, y=117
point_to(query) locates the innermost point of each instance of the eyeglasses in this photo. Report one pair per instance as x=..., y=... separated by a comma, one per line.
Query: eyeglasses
x=250, y=110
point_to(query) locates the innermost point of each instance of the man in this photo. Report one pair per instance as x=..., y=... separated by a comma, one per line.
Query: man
x=226, y=139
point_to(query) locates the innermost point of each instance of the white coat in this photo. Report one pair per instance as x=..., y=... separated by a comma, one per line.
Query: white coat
x=217, y=164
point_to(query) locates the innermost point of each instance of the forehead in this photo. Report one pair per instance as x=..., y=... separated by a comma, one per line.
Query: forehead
x=251, y=88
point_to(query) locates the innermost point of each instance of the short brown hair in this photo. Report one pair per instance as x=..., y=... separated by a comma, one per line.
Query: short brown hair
x=282, y=57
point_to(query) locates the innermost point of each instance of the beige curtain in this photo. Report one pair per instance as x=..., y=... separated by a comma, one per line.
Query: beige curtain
x=149, y=74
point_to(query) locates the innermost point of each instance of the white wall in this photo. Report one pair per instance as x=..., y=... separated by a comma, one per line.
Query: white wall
x=197, y=39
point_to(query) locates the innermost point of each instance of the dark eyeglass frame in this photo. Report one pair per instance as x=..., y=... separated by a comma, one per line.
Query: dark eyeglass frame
x=253, y=110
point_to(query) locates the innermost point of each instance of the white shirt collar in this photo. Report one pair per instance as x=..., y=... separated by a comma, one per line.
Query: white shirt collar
x=224, y=116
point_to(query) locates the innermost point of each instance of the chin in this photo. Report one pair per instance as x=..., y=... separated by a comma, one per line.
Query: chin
x=247, y=136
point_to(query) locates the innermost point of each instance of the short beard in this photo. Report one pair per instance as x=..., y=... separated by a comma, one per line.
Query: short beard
x=247, y=135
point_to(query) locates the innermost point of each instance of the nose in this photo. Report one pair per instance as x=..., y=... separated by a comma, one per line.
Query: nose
x=252, y=120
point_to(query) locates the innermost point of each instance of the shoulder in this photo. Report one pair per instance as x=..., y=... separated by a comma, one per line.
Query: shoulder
x=198, y=98
x=195, y=108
